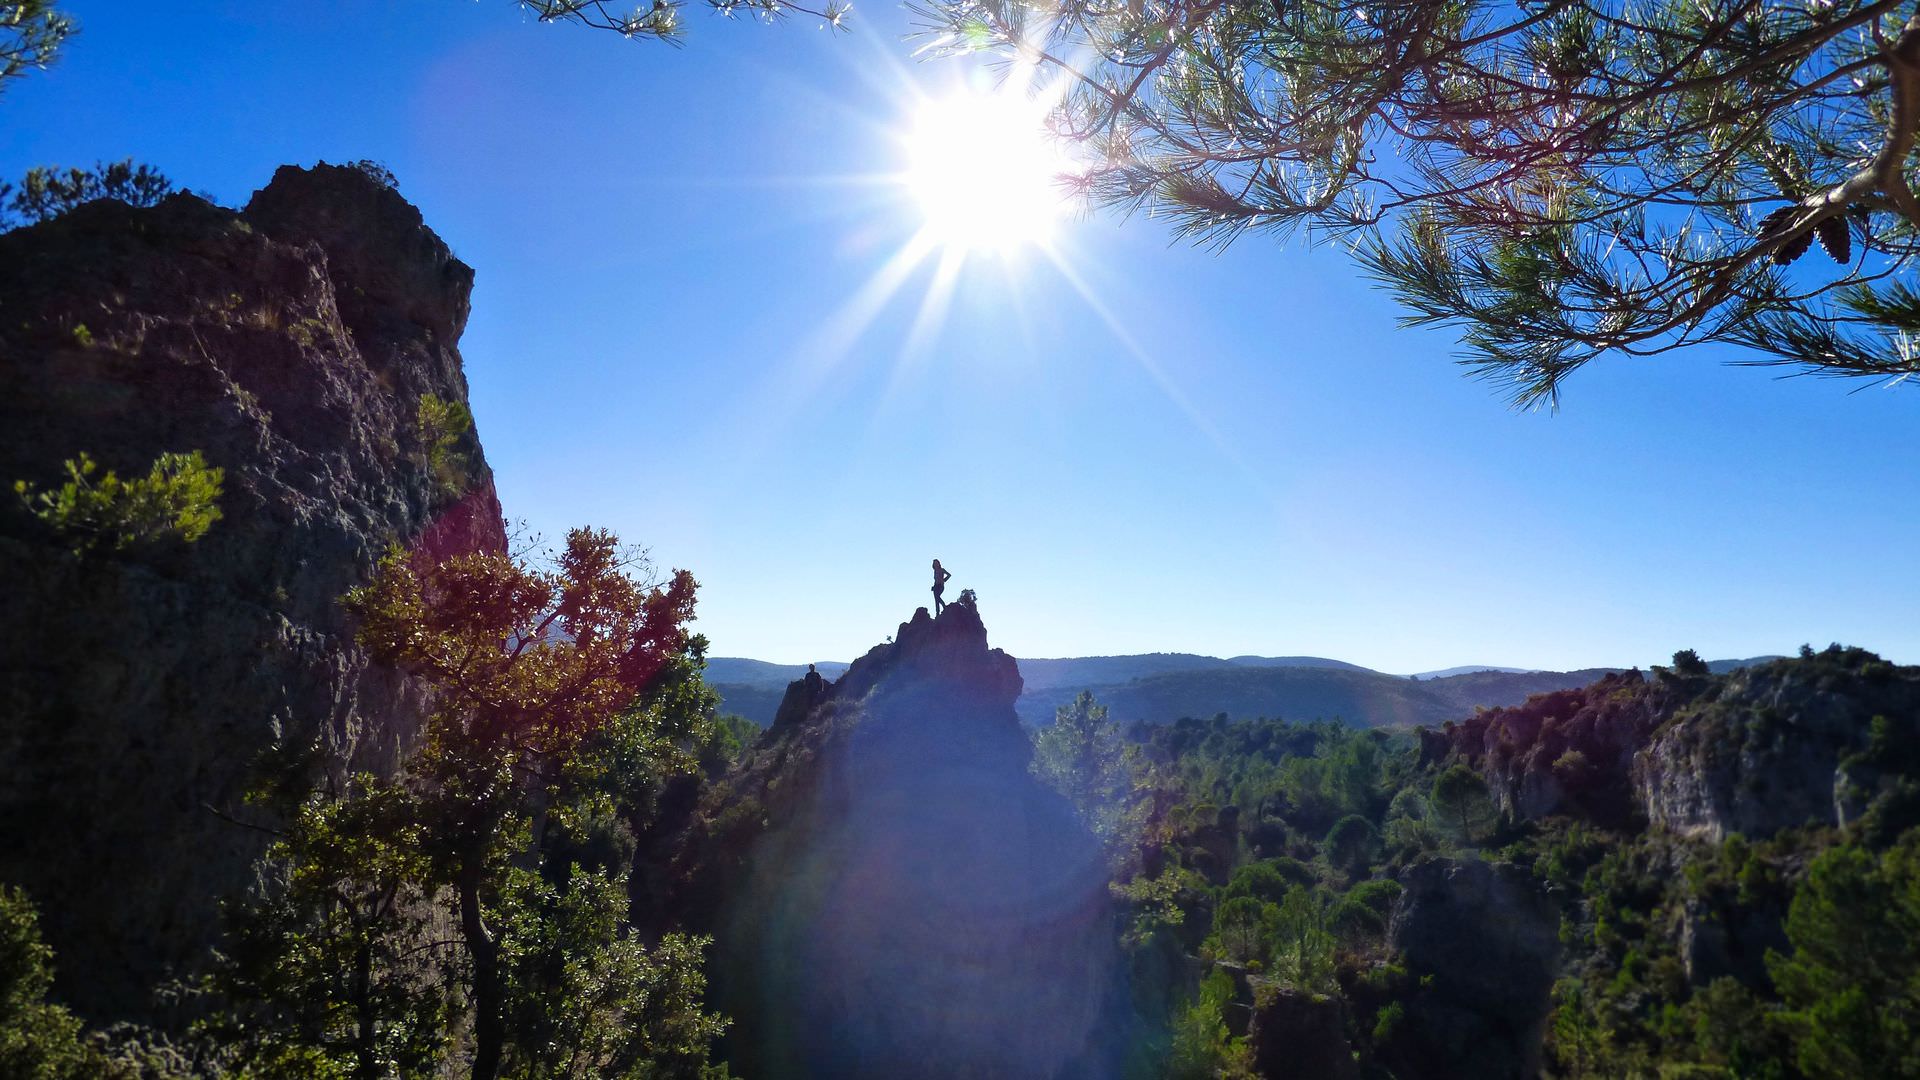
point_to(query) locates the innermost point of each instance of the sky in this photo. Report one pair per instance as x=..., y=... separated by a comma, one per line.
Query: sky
x=1123, y=444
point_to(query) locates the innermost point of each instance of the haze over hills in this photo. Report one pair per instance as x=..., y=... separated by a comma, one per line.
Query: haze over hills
x=1163, y=687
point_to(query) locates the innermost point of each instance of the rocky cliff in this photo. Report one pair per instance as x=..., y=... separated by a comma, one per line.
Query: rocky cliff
x=1483, y=939
x=1778, y=745
x=291, y=342
x=894, y=894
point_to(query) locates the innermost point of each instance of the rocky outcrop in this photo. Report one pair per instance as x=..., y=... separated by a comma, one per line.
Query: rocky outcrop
x=1771, y=746
x=1484, y=942
x=1716, y=940
x=1298, y=1036
x=1565, y=752
x=895, y=895
x=290, y=342
x=1775, y=746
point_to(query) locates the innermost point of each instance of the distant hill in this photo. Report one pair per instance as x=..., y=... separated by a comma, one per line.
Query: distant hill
x=1296, y=661
x=1082, y=671
x=1469, y=669
x=1721, y=667
x=1356, y=695
x=735, y=669
x=1163, y=687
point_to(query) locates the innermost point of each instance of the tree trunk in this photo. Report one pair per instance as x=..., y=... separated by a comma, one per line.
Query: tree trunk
x=366, y=1042
x=489, y=1021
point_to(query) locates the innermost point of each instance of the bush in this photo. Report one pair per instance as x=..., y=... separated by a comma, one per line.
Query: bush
x=177, y=499
x=442, y=425
x=376, y=172
x=1378, y=894
x=1350, y=843
x=1269, y=879
x=48, y=193
x=38, y=1040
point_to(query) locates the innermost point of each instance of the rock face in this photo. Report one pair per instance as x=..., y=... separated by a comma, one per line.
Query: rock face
x=1485, y=941
x=1770, y=747
x=291, y=343
x=1565, y=752
x=919, y=905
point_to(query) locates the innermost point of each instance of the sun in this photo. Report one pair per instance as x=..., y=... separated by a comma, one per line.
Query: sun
x=985, y=172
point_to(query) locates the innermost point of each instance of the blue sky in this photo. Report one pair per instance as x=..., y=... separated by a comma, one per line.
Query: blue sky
x=1184, y=451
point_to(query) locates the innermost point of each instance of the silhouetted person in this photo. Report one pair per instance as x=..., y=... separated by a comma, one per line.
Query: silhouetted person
x=940, y=579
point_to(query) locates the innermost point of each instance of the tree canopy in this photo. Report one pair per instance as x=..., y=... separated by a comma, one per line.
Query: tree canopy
x=1560, y=179
x=491, y=878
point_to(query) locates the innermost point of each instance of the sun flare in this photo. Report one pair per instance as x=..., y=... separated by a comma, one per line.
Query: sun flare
x=985, y=172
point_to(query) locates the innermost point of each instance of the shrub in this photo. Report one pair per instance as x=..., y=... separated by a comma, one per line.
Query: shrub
x=1350, y=843
x=1269, y=879
x=177, y=499
x=38, y=1039
x=47, y=193
x=1378, y=894
x=376, y=172
x=442, y=425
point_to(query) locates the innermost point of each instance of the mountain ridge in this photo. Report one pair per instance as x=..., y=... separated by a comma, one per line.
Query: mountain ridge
x=1163, y=687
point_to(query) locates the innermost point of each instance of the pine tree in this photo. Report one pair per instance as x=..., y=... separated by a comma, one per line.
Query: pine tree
x=1559, y=180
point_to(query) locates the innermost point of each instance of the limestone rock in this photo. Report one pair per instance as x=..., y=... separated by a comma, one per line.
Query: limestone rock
x=1768, y=749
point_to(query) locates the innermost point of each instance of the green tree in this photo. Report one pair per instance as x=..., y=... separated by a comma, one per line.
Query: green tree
x=1460, y=799
x=1202, y=1047
x=1409, y=829
x=178, y=499
x=1268, y=879
x=334, y=969
x=47, y=193
x=1350, y=844
x=1243, y=929
x=1303, y=944
x=1852, y=982
x=31, y=33
x=493, y=872
x=1581, y=1041
x=1083, y=756
x=1562, y=181
x=39, y=1040
x=1687, y=662
x=442, y=426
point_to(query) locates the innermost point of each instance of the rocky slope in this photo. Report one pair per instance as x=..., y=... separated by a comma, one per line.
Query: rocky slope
x=894, y=894
x=1783, y=744
x=291, y=342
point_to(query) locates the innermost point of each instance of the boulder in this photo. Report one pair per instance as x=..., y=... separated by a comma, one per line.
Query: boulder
x=1298, y=1036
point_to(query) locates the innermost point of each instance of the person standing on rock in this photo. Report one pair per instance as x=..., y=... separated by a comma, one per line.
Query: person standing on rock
x=940, y=579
